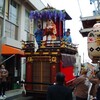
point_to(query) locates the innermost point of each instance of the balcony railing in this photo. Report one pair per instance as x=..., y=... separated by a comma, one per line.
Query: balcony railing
x=30, y=45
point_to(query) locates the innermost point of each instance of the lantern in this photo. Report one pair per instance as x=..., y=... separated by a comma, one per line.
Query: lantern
x=94, y=43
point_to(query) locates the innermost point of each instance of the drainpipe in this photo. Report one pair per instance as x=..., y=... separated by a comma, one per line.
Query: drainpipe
x=4, y=14
x=3, y=31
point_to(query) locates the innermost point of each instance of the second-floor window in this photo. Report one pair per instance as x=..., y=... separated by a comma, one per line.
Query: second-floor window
x=11, y=30
x=11, y=25
x=13, y=12
x=27, y=24
x=27, y=21
x=1, y=27
x=1, y=7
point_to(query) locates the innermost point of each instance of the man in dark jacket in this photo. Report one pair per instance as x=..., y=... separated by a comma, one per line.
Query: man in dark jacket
x=59, y=91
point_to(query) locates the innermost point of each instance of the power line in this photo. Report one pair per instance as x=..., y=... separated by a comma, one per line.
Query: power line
x=79, y=8
x=7, y=59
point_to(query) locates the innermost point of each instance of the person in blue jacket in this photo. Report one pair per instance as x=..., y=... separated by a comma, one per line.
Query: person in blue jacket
x=67, y=37
x=39, y=33
x=59, y=91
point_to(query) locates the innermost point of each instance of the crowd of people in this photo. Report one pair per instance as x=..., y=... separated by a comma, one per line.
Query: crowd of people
x=3, y=81
x=87, y=85
x=84, y=87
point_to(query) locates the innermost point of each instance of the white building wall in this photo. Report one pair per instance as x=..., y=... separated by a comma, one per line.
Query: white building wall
x=38, y=4
x=22, y=35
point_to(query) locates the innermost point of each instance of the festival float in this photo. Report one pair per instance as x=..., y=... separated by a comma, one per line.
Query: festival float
x=53, y=54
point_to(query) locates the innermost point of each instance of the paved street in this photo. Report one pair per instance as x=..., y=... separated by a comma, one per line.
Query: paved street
x=17, y=95
x=20, y=97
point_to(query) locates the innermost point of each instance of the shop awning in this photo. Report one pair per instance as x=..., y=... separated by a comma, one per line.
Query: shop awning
x=10, y=50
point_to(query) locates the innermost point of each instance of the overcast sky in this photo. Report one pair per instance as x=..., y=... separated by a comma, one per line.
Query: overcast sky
x=75, y=8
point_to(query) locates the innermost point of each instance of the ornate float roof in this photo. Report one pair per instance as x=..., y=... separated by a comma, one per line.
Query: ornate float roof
x=50, y=13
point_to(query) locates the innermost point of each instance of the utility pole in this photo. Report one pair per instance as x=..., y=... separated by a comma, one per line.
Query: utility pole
x=79, y=8
x=83, y=57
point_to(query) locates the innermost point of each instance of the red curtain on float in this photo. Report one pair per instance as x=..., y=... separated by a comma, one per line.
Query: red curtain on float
x=59, y=27
x=53, y=73
x=67, y=66
x=29, y=75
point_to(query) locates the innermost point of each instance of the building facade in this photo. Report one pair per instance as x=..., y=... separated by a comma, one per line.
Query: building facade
x=15, y=26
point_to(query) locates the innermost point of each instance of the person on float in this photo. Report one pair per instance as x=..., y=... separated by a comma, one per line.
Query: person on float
x=39, y=33
x=67, y=37
x=50, y=31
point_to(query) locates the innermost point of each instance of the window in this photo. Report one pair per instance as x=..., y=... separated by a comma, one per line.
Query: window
x=27, y=21
x=0, y=27
x=28, y=36
x=13, y=12
x=11, y=30
x=27, y=24
x=7, y=8
x=1, y=7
